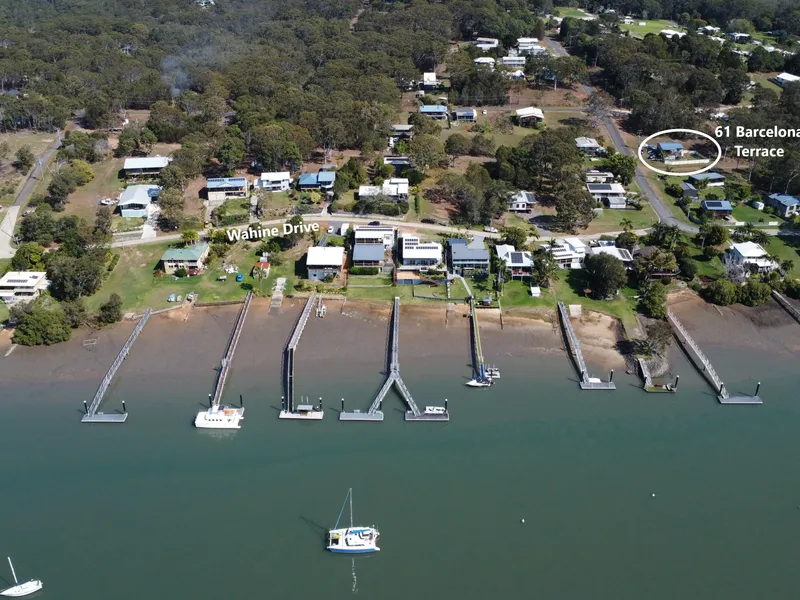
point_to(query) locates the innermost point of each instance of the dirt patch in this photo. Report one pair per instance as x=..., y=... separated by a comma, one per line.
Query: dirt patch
x=598, y=334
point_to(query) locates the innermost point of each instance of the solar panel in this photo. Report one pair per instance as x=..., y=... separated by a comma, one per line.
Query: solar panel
x=600, y=186
x=516, y=258
x=713, y=204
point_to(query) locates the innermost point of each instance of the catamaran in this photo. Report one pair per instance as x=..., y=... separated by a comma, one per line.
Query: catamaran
x=480, y=381
x=21, y=589
x=352, y=540
x=220, y=417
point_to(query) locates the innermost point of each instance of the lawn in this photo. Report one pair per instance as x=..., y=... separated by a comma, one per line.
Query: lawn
x=518, y=293
x=38, y=142
x=610, y=219
x=764, y=80
x=237, y=206
x=345, y=202
x=277, y=205
x=707, y=268
x=126, y=224
x=512, y=138
x=649, y=27
x=565, y=11
x=106, y=184
x=748, y=214
x=565, y=118
x=569, y=290
x=658, y=185
x=369, y=280
x=786, y=248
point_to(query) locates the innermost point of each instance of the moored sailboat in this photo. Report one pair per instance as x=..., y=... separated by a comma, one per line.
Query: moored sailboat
x=20, y=589
x=352, y=540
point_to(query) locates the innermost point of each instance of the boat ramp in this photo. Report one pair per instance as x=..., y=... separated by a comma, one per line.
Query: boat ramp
x=92, y=416
x=288, y=409
x=227, y=360
x=574, y=346
x=374, y=413
x=704, y=365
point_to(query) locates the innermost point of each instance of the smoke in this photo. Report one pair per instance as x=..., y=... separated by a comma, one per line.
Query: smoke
x=173, y=76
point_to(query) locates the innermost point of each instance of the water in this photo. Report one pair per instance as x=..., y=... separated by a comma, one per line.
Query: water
x=157, y=509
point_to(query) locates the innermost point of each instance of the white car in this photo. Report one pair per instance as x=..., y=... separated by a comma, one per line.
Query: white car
x=107, y=202
x=491, y=229
x=330, y=229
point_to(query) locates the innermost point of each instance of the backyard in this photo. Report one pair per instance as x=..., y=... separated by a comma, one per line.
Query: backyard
x=786, y=248
x=655, y=27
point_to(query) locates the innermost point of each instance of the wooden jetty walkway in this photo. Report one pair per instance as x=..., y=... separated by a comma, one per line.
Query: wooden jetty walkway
x=586, y=383
x=707, y=370
x=227, y=360
x=277, y=295
x=374, y=413
x=475, y=339
x=288, y=356
x=788, y=306
x=92, y=416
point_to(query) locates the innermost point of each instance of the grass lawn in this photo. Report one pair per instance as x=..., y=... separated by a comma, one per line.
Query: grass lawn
x=659, y=185
x=764, y=80
x=3, y=312
x=518, y=293
x=569, y=290
x=748, y=214
x=369, y=280
x=277, y=204
x=129, y=224
x=387, y=293
x=345, y=202
x=106, y=184
x=565, y=11
x=711, y=269
x=237, y=206
x=786, y=248
x=38, y=142
x=649, y=27
x=512, y=138
x=610, y=219
x=554, y=119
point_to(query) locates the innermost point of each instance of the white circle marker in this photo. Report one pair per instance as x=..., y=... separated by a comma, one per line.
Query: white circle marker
x=694, y=131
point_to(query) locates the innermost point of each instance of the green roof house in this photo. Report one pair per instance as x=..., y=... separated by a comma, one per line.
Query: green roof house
x=190, y=257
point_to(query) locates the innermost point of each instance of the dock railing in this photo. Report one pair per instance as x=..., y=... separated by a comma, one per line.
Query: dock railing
x=784, y=302
x=288, y=362
x=227, y=360
x=708, y=369
x=586, y=382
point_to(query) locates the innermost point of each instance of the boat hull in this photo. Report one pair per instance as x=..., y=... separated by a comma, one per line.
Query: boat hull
x=219, y=418
x=346, y=551
x=314, y=415
x=355, y=540
x=477, y=384
x=22, y=589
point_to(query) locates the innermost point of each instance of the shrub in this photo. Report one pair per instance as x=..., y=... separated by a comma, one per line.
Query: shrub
x=113, y=264
x=364, y=270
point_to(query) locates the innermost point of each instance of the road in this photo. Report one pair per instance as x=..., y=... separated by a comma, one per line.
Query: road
x=10, y=220
x=662, y=210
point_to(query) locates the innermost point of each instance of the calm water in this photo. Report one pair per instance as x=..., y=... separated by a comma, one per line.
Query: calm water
x=156, y=509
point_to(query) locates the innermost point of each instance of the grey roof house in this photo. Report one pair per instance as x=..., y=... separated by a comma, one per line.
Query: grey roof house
x=465, y=256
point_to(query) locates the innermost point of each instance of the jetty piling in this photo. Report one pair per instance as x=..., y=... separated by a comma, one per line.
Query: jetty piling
x=574, y=346
x=227, y=360
x=91, y=414
x=704, y=365
x=288, y=405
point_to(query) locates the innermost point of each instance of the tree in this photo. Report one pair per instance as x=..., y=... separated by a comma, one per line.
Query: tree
x=25, y=159
x=111, y=311
x=173, y=176
x=753, y=293
x=75, y=312
x=190, y=237
x=606, y=275
x=665, y=236
x=295, y=236
x=514, y=236
x=28, y=258
x=627, y=240
x=545, y=267
x=653, y=300
x=623, y=167
x=40, y=326
x=172, y=205
x=626, y=224
x=721, y=292
x=574, y=208
x=482, y=145
x=457, y=145
x=230, y=153
x=760, y=237
x=713, y=234
x=688, y=268
x=74, y=277
x=659, y=336
x=102, y=221
x=426, y=151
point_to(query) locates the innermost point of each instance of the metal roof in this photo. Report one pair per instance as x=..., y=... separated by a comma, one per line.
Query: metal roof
x=147, y=162
x=785, y=199
x=226, y=182
x=326, y=177
x=432, y=108
x=368, y=252
x=716, y=205
x=138, y=195
x=461, y=251
x=707, y=176
x=308, y=179
x=670, y=146
x=187, y=253
x=332, y=256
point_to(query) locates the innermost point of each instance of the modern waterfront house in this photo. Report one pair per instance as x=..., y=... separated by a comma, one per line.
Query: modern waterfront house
x=485, y=61
x=368, y=234
x=145, y=167
x=275, y=181
x=569, y=253
x=189, y=258
x=485, y=43
x=595, y=176
x=515, y=62
x=417, y=255
x=785, y=204
x=394, y=190
x=751, y=256
x=323, y=180
x=607, y=247
x=322, y=262
x=369, y=255
x=22, y=285
x=519, y=264
x=466, y=256
x=221, y=188
x=137, y=200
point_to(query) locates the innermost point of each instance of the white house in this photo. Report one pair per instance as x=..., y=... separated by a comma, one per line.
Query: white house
x=520, y=264
x=785, y=79
x=367, y=234
x=22, y=285
x=610, y=194
x=708, y=30
x=485, y=43
x=395, y=190
x=529, y=115
x=222, y=188
x=623, y=254
x=429, y=80
x=750, y=253
x=670, y=33
x=484, y=61
x=276, y=181
x=569, y=253
x=516, y=62
x=595, y=176
x=588, y=146
x=785, y=204
x=137, y=200
x=465, y=115
x=322, y=262
x=419, y=255
x=522, y=202
x=525, y=44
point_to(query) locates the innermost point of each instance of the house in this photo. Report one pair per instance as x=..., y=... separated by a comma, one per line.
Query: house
x=669, y=150
x=429, y=80
x=751, y=256
x=484, y=61
x=526, y=44
x=568, y=253
x=530, y=115
x=368, y=234
x=520, y=264
x=595, y=176
x=610, y=194
x=465, y=256
x=522, y=202
x=708, y=30
x=437, y=112
x=369, y=255
x=222, y=188
x=785, y=79
x=622, y=254
x=418, y=255
x=146, y=167
x=18, y=286
x=712, y=179
x=719, y=208
x=397, y=161
x=588, y=146
x=465, y=115
x=259, y=267
x=785, y=205
x=516, y=62
x=324, y=261
x=276, y=181
x=400, y=132
x=190, y=257
x=396, y=190
x=323, y=180
x=627, y=21
x=136, y=200
x=518, y=74
x=670, y=33
x=739, y=38
x=689, y=191
x=487, y=43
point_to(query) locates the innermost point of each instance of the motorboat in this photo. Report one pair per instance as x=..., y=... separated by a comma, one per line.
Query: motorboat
x=480, y=382
x=220, y=417
x=20, y=589
x=435, y=410
x=352, y=540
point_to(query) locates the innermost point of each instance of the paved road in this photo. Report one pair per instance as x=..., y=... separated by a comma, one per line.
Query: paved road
x=662, y=210
x=9, y=222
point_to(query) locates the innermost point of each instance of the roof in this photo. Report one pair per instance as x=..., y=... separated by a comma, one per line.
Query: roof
x=276, y=176
x=429, y=78
x=332, y=256
x=138, y=194
x=612, y=188
x=749, y=250
x=484, y=60
x=622, y=254
x=707, y=177
x=784, y=199
x=309, y=179
x=369, y=252
x=574, y=242
x=465, y=111
x=527, y=40
x=22, y=278
x=688, y=187
x=670, y=146
x=326, y=176
x=188, y=253
x=525, y=113
x=788, y=77
x=226, y=182
x=716, y=205
x=461, y=251
x=585, y=142
x=513, y=258
x=414, y=248
x=522, y=196
x=433, y=108
x=401, y=127
x=147, y=162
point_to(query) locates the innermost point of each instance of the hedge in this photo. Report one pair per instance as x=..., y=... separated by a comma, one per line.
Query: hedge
x=363, y=270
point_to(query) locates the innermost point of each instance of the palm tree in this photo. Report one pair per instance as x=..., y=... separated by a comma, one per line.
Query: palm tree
x=759, y=237
x=744, y=232
x=786, y=266
x=626, y=224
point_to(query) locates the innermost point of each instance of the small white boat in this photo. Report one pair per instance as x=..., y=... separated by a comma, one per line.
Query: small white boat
x=21, y=589
x=479, y=382
x=435, y=410
x=220, y=417
x=352, y=540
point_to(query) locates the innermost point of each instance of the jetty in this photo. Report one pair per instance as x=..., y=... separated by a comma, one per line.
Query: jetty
x=704, y=365
x=374, y=413
x=277, y=295
x=586, y=383
x=288, y=408
x=478, y=365
x=227, y=360
x=92, y=416
x=787, y=305
x=649, y=386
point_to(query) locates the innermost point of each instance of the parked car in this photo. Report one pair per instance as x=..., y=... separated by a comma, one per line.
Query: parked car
x=222, y=278
x=106, y=202
x=375, y=223
x=240, y=277
x=443, y=223
x=490, y=229
x=330, y=229
x=429, y=221
x=178, y=299
x=171, y=298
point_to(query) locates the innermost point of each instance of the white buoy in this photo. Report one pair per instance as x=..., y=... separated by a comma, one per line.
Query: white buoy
x=523, y=520
x=654, y=495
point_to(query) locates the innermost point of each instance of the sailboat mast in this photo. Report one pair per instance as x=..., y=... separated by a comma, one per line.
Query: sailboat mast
x=351, y=508
x=12, y=571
